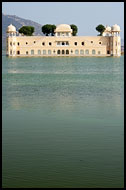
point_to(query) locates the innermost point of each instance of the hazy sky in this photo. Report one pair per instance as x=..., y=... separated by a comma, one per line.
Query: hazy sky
x=83, y=14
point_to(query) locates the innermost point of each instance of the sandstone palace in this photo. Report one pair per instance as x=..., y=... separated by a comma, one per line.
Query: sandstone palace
x=63, y=43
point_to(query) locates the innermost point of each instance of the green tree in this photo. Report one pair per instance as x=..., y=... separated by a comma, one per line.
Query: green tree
x=48, y=29
x=27, y=30
x=100, y=28
x=75, y=29
x=53, y=27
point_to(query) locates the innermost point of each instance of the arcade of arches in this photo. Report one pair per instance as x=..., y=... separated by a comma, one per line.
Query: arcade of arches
x=63, y=51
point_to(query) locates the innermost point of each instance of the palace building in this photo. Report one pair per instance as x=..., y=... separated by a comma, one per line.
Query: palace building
x=63, y=43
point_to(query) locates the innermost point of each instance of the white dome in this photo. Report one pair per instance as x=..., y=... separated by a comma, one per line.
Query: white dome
x=11, y=28
x=116, y=28
x=108, y=28
x=63, y=28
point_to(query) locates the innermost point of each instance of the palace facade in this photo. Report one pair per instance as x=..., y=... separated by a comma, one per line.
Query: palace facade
x=63, y=43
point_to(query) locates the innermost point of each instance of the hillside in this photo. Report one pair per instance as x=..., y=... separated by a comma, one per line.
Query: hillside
x=18, y=23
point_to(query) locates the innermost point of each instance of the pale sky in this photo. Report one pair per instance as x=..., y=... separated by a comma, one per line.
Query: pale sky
x=83, y=14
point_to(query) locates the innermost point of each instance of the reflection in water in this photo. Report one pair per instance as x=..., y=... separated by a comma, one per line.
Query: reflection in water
x=62, y=122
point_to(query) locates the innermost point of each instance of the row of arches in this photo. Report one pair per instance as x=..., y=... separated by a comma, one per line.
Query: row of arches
x=62, y=52
x=77, y=52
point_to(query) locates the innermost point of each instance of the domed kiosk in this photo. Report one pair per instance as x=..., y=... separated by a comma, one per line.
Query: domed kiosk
x=11, y=30
x=115, y=30
x=107, y=31
x=63, y=30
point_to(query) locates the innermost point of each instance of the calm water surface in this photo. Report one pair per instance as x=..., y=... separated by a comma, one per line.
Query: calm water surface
x=63, y=122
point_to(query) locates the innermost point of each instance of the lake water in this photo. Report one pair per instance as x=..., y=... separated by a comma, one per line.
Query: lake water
x=63, y=122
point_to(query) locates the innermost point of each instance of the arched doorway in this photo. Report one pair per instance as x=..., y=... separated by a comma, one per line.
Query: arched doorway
x=86, y=51
x=67, y=51
x=18, y=52
x=32, y=52
x=76, y=52
x=93, y=51
x=58, y=51
x=63, y=52
x=82, y=52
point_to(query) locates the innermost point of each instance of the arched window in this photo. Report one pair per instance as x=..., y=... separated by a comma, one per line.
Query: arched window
x=99, y=52
x=49, y=52
x=82, y=43
x=26, y=52
x=39, y=52
x=44, y=52
x=10, y=52
x=82, y=52
x=76, y=52
x=93, y=51
x=63, y=52
x=58, y=43
x=71, y=51
x=32, y=52
x=67, y=51
x=63, y=43
x=18, y=52
x=67, y=43
x=58, y=51
x=86, y=51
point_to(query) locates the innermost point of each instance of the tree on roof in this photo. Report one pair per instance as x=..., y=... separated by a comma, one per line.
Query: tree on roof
x=53, y=27
x=100, y=28
x=26, y=30
x=74, y=28
x=48, y=29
